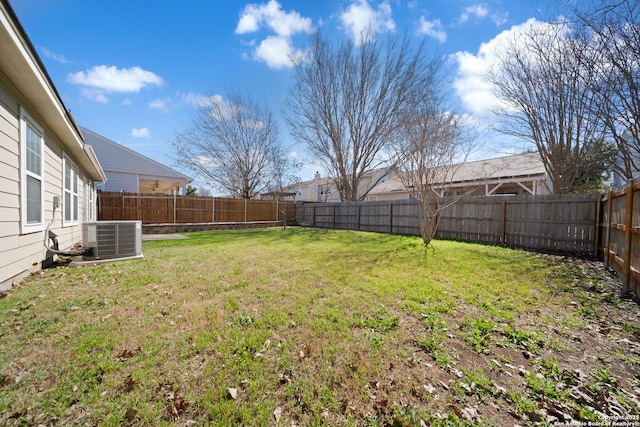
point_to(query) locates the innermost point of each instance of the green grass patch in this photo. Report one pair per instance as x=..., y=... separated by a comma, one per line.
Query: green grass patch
x=478, y=330
x=270, y=326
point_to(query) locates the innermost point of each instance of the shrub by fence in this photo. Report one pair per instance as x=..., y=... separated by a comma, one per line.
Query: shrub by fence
x=170, y=209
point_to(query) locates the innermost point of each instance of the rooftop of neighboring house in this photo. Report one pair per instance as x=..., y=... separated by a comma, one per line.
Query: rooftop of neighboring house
x=518, y=165
x=116, y=157
x=527, y=165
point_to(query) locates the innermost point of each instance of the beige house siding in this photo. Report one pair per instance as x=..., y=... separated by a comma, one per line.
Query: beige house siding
x=323, y=189
x=19, y=252
x=27, y=94
x=11, y=260
x=382, y=197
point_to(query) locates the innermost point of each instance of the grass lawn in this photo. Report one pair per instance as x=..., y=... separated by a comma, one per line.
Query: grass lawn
x=315, y=327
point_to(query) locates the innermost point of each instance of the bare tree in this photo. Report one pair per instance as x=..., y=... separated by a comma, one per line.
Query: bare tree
x=284, y=170
x=233, y=144
x=613, y=27
x=347, y=102
x=432, y=145
x=546, y=96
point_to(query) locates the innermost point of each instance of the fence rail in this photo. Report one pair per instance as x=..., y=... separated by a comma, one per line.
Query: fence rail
x=169, y=209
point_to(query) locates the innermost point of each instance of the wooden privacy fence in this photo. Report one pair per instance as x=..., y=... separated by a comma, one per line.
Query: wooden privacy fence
x=607, y=226
x=566, y=223
x=620, y=234
x=164, y=209
x=550, y=223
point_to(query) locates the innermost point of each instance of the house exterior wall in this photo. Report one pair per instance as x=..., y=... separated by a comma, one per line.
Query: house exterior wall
x=380, y=197
x=316, y=190
x=22, y=252
x=9, y=186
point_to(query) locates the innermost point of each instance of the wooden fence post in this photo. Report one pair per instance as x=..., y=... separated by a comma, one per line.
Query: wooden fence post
x=503, y=223
x=175, y=208
x=359, y=207
x=213, y=209
x=596, y=237
x=245, y=210
x=314, y=215
x=607, y=239
x=122, y=202
x=333, y=217
x=390, y=217
x=628, y=231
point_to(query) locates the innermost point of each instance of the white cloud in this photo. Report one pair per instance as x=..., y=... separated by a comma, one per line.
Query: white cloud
x=500, y=18
x=218, y=107
x=360, y=17
x=432, y=29
x=481, y=11
x=161, y=104
x=103, y=79
x=126, y=101
x=199, y=100
x=113, y=79
x=94, y=94
x=471, y=83
x=275, y=50
x=271, y=16
x=56, y=57
x=140, y=133
x=249, y=20
x=476, y=10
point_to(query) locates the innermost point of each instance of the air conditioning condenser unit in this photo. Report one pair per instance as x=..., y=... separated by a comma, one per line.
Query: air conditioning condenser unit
x=112, y=240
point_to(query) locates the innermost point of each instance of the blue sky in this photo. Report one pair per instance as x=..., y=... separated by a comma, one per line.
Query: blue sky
x=135, y=71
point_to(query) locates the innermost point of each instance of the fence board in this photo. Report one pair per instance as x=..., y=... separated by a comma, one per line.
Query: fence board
x=169, y=209
x=606, y=225
x=621, y=235
x=566, y=223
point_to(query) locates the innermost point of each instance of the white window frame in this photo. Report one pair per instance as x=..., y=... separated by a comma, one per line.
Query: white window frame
x=26, y=122
x=90, y=202
x=73, y=192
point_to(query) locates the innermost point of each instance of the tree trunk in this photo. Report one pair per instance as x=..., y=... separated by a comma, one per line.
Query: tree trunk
x=428, y=211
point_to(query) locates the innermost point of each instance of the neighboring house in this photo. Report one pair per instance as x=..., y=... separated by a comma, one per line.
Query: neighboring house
x=132, y=172
x=47, y=172
x=516, y=175
x=321, y=189
x=633, y=144
x=318, y=189
x=512, y=175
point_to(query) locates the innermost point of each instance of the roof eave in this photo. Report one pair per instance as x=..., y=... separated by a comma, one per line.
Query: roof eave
x=24, y=69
